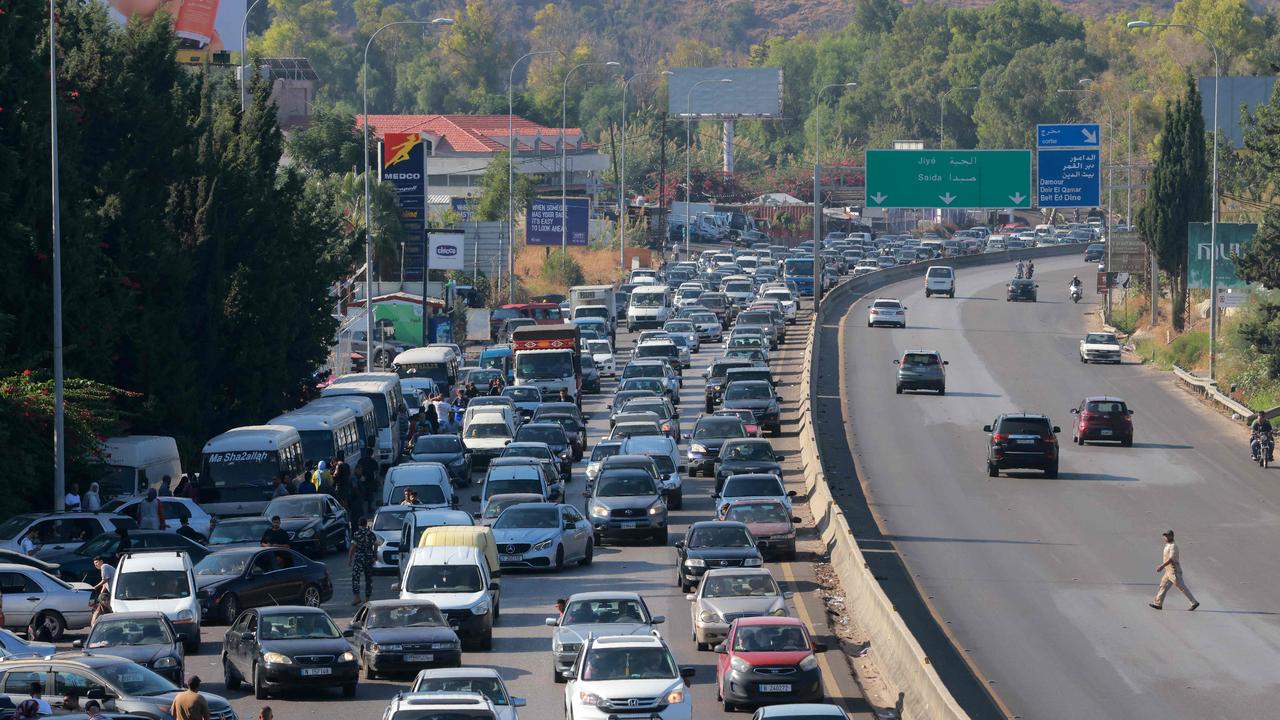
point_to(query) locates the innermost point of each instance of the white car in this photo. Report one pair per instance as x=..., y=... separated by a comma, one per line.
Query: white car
x=485, y=681
x=37, y=599
x=602, y=353
x=1100, y=347
x=160, y=582
x=788, y=302
x=175, y=508
x=940, y=280
x=627, y=676
x=886, y=311
x=709, y=327
x=685, y=329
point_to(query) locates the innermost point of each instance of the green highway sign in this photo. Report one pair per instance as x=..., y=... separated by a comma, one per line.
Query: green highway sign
x=1232, y=240
x=969, y=179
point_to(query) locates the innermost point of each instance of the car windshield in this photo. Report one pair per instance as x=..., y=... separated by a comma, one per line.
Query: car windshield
x=758, y=513
x=643, y=370
x=389, y=519
x=10, y=528
x=408, y=615
x=523, y=393
x=488, y=430
x=599, y=347
x=295, y=507
x=770, y=638
x=545, y=434
x=744, y=486
x=428, y=493
x=509, y=486
x=603, y=451
x=679, y=327
x=132, y=679
x=437, y=444
x=444, y=579
x=704, y=318
x=632, y=663
x=537, y=452
x=754, y=341
x=603, y=612
x=749, y=391
x=745, y=353
x=297, y=626
x=544, y=365
x=489, y=687
x=628, y=485
x=726, y=537
x=754, y=585
x=919, y=359
x=230, y=563
x=642, y=383
x=238, y=532
x=1100, y=339
x=498, y=503
x=748, y=451
x=663, y=350
x=109, y=632
x=152, y=585
x=535, y=518
x=1023, y=426
x=106, y=544
x=719, y=428
x=635, y=429
x=648, y=299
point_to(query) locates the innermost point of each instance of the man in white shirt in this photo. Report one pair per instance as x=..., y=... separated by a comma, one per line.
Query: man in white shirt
x=103, y=588
x=71, y=501
x=1172, y=574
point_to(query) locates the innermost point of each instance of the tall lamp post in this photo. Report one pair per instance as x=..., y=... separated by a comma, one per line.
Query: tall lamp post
x=942, y=111
x=818, y=270
x=622, y=176
x=564, y=181
x=59, y=411
x=244, y=56
x=368, y=224
x=1213, y=193
x=511, y=173
x=688, y=185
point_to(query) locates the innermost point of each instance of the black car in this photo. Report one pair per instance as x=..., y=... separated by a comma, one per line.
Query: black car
x=715, y=377
x=540, y=452
x=21, y=558
x=553, y=434
x=573, y=428
x=146, y=638
x=757, y=396
x=314, y=522
x=77, y=565
x=403, y=636
x=1021, y=290
x=286, y=647
x=709, y=434
x=564, y=408
x=229, y=581
x=746, y=455
x=1095, y=252
x=449, y=451
x=238, y=532
x=714, y=544
x=1022, y=442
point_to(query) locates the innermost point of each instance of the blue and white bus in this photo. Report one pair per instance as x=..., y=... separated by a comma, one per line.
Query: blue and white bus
x=799, y=270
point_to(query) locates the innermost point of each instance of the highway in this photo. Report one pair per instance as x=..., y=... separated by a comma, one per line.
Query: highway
x=522, y=643
x=1045, y=583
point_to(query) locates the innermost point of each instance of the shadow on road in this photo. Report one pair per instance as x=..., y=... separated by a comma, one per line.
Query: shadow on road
x=1096, y=477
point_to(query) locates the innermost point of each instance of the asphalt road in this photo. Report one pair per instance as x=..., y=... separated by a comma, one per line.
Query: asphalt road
x=522, y=643
x=1045, y=583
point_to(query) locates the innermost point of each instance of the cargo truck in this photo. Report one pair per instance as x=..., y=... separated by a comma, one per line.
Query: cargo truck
x=595, y=301
x=549, y=357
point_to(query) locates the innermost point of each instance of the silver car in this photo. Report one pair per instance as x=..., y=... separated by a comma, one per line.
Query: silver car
x=485, y=681
x=726, y=594
x=36, y=598
x=594, y=614
x=388, y=521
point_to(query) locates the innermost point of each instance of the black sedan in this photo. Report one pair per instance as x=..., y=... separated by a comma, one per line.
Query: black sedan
x=1021, y=290
x=146, y=638
x=714, y=544
x=709, y=434
x=449, y=451
x=287, y=647
x=554, y=436
x=315, y=523
x=747, y=455
x=241, y=532
x=229, y=581
x=77, y=565
x=403, y=636
x=573, y=427
x=758, y=397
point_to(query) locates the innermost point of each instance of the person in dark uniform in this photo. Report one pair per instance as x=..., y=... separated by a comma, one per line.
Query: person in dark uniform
x=361, y=556
x=275, y=536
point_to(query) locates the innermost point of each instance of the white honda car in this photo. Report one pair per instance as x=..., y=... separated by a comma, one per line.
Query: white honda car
x=627, y=676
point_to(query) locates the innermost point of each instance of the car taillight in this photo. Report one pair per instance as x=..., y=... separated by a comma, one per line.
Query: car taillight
x=1047, y=438
x=999, y=437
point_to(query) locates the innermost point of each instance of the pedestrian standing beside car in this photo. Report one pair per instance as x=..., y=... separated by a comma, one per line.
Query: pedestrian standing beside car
x=71, y=501
x=92, y=502
x=343, y=489
x=432, y=417
x=166, y=487
x=151, y=512
x=190, y=704
x=361, y=555
x=1171, y=574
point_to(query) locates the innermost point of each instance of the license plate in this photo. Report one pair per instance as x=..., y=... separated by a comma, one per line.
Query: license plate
x=1026, y=442
x=510, y=558
x=777, y=687
x=419, y=658
x=1106, y=432
x=316, y=671
x=630, y=525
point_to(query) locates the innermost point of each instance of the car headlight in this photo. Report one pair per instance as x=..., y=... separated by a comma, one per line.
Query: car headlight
x=347, y=656
x=657, y=508
x=590, y=699
x=695, y=562
x=481, y=608
x=165, y=662
x=387, y=648
x=675, y=696
x=709, y=616
x=696, y=448
x=543, y=545
x=308, y=533
x=809, y=663
x=780, y=611
x=275, y=658
x=599, y=511
x=751, y=562
x=186, y=615
x=740, y=665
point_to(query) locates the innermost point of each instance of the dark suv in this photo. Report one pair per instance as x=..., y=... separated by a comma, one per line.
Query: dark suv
x=1021, y=289
x=1022, y=442
x=1103, y=418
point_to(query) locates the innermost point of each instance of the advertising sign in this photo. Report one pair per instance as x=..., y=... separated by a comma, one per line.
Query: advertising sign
x=1126, y=253
x=1232, y=239
x=447, y=250
x=206, y=25
x=970, y=179
x=543, y=221
x=465, y=207
x=1069, y=178
x=402, y=158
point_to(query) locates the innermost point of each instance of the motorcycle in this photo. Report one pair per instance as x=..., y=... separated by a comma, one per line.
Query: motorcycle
x=1264, y=446
x=1075, y=293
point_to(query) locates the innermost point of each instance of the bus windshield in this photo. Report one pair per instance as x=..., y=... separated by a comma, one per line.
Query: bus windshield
x=238, y=475
x=436, y=371
x=798, y=266
x=317, y=444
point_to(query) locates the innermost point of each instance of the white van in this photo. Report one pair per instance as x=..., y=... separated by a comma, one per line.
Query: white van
x=458, y=581
x=490, y=413
x=325, y=431
x=649, y=307
x=366, y=420
x=138, y=462
x=237, y=467
x=439, y=363
x=430, y=480
x=384, y=392
x=940, y=280
x=160, y=582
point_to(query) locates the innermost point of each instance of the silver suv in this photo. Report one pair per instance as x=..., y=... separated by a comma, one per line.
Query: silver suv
x=627, y=503
x=593, y=614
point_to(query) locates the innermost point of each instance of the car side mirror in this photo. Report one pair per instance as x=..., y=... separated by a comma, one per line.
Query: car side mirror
x=1128, y=412
x=1057, y=429
x=518, y=702
x=946, y=362
x=550, y=622
x=1075, y=411
x=688, y=672
x=819, y=647
x=250, y=636
x=77, y=644
x=494, y=586
x=788, y=595
x=395, y=587
x=658, y=619
x=586, y=493
x=897, y=362
x=687, y=436
x=349, y=632
x=721, y=649
x=795, y=520
x=679, y=544
x=476, y=515
x=690, y=597
x=791, y=493
x=475, y=498
x=762, y=545
x=570, y=674
x=986, y=428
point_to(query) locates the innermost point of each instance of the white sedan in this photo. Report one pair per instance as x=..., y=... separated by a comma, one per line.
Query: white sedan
x=602, y=353
x=887, y=311
x=1100, y=347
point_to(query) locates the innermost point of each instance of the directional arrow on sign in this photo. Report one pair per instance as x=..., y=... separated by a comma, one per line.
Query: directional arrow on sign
x=1090, y=137
x=1017, y=198
x=947, y=199
x=879, y=198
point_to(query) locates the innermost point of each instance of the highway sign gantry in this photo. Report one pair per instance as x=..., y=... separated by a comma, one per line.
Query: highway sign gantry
x=963, y=179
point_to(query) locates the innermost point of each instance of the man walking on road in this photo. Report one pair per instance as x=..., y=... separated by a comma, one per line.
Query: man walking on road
x=1172, y=574
x=361, y=556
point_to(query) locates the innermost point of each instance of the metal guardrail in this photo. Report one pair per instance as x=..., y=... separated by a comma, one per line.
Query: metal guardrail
x=1209, y=389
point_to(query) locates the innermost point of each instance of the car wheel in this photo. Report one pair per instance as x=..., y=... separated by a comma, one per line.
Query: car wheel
x=1052, y=471
x=559, y=559
x=677, y=502
x=660, y=538
x=349, y=690
x=992, y=470
x=346, y=539
x=928, y=294
x=259, y=684
x=952, y=295
x=486, y=640
x=590, y=554
x=311, y=596
x=942, y=389
x=1083, y=360
x=1127, y=442
x=898, y=389
x=49, y=624
x=369, y=672
x=192, y=647
x=229, y=677
x=230, y=608
x=556, y=677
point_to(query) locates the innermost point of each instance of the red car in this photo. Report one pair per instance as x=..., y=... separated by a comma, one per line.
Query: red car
x=1103, y=418
x=768, y=660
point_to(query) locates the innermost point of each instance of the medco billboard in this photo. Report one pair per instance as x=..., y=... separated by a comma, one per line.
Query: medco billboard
x=208, y=25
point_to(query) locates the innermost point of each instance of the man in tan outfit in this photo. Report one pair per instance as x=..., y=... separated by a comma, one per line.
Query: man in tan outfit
x=1171, y=570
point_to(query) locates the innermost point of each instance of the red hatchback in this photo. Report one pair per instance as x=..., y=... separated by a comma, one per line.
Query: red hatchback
x=767, y=660
x=1103, y=418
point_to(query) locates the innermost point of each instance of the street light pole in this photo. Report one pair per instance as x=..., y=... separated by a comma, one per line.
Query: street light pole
x=511, y=174
x=244, y=56
x=688, y=185
x=564, y=120
x=59, y=411
x=368, y=224
x=819, y=273
x=622, y=176
x=1213, y=192
x=942, y=110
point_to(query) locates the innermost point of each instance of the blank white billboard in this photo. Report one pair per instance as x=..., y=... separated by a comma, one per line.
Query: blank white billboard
x=699, y=92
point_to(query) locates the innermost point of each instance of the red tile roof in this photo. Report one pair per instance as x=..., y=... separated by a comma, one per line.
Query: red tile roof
x=471, y=133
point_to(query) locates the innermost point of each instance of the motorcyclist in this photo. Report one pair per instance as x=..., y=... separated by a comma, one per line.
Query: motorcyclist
x=1075, y=281
x=1260, y=428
